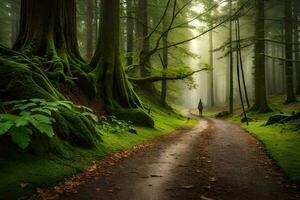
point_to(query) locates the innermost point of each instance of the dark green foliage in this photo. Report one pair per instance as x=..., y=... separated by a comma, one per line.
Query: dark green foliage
x=114, y=125
x=276, y=119
x=137, y=116
x=71, y=122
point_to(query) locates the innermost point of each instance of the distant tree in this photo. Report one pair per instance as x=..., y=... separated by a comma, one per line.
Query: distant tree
x=290, y=94
x=129, y=31
x=90, y=28
x=260, y=102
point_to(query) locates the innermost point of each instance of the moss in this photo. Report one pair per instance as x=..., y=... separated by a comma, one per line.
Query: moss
x=282, y=141
x=137, y=116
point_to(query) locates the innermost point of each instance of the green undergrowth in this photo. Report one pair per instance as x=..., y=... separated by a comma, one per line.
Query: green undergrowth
x=22, y=174
x=282, y=141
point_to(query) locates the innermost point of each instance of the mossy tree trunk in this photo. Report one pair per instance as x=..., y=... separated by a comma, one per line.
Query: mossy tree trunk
x=108, y=73
x=46, y=46
x=48, y=30
x=290, y=94
x=260, y=103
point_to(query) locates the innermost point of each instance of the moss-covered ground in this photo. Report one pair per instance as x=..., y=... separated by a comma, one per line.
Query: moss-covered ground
x=282, y=141
x=22, y=175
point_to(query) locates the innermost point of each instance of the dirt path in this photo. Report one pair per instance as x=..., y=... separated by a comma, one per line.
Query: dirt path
x=214, y=160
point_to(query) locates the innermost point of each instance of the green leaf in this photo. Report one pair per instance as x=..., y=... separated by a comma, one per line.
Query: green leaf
x=43, y=119
x=42, y=128
x=8, y=117
x=84, y=108
x=24, y=106
x=38, y=100
x=41, y=110
x=4, y=127
x=14, y=102
x=22, y=121
x=66, y=104
x=92, y=116
x=21, y=136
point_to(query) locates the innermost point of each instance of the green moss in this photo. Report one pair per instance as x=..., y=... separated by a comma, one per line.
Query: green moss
x=282, y=141
x=41, y=171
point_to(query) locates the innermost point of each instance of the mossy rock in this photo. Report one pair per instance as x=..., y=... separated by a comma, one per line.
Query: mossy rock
x=276, y=119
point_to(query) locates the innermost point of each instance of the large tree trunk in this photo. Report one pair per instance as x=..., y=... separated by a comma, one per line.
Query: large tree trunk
x=290, y=95
x=108, y=72
x=260, y=103
x=48, y=29
x=48, y=40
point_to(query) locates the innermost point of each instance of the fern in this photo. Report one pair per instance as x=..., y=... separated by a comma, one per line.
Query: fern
x=35, y=115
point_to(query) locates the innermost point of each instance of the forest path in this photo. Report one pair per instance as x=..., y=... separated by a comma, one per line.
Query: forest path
x=214, y=160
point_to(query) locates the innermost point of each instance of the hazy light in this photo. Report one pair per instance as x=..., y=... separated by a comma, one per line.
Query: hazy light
x=198, y=8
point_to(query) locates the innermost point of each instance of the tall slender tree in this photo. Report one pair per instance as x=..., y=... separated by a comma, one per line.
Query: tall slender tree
x=129, y=31
x=260, y=103
x=290, y=94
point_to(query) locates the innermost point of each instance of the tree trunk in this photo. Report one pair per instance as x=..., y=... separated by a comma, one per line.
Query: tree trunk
x=130, y=29
x=108, y=73
x=142, y=31
x=48, y=29
x=260, y=103
x=231, y=63
x=15, y=16
x=290, y=95
x=211, y=73
x=297, y=46
x=89, y=29
x=165, y=64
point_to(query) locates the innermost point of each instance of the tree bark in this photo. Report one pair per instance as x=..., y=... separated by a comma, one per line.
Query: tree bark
x=142, y=31
x=260, y=103
x=297, y=46
x=89, y=29
x=290, y=94
x=165, y=64
x=231, y=62
x=211, y=72
x=130, y=29
x=48, y=29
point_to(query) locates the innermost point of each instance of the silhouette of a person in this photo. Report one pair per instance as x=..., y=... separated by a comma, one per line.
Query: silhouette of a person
x=200, y=108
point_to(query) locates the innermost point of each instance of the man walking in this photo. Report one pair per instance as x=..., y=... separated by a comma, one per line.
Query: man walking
x=200, y=108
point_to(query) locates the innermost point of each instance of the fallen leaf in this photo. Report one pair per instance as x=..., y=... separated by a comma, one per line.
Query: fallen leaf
x=187, y=187
x=205, y=198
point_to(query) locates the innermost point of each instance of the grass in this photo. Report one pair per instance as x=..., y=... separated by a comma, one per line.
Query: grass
x=39, y=171
x=282, y=141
